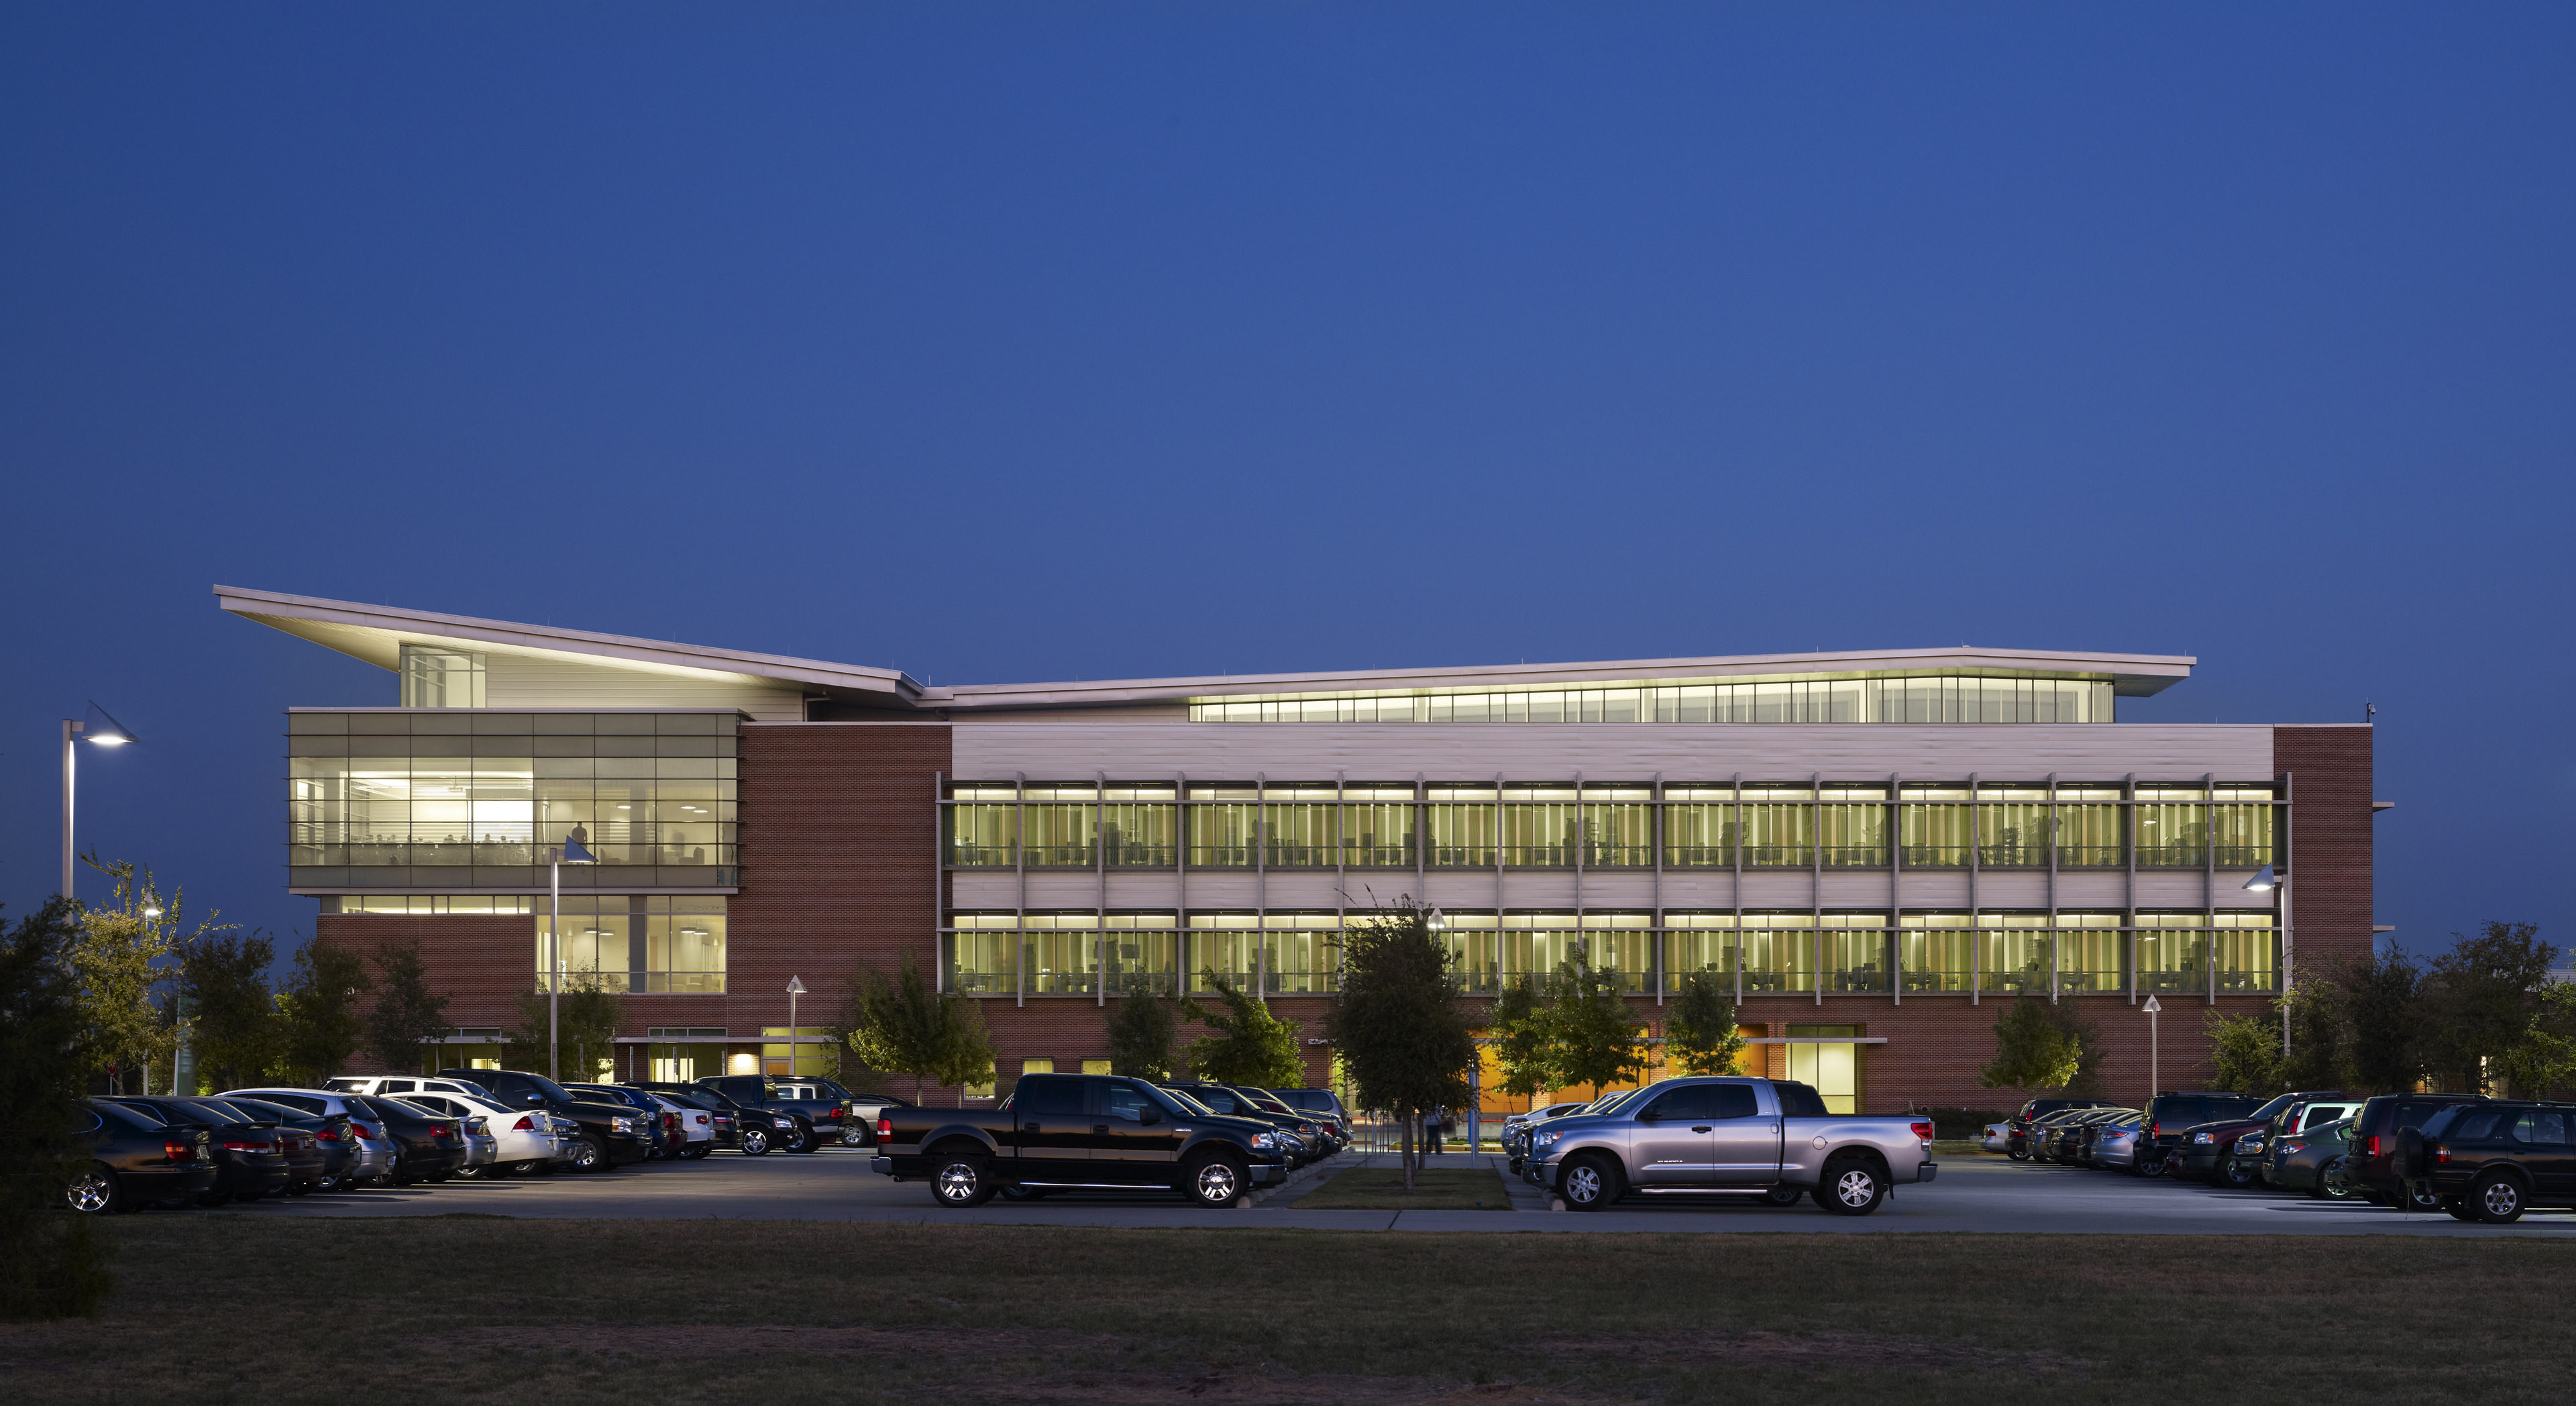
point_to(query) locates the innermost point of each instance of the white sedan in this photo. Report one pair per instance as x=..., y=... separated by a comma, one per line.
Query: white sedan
x=699, y=1123
x=528, y=1138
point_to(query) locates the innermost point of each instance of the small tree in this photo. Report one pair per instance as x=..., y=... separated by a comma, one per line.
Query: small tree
x=2544, y=1058
x=2382, y=1001
x=904, y=1026
x=2030, y=1051
x=1598, y=1041
x=1144, y=1031
x=237, y=1033
x=586, y=1020
x=405, y=1012
x=1700, y=1034
x=319, y=1006
x=2481, y=998
x=1248, y=1045
x=2244, y=1053
x=119, y=957
x=1404, y=1040
x=55, y=1265
x=1524, y=1036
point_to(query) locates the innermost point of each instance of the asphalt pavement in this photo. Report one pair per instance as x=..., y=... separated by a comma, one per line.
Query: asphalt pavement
x=1972, y=1194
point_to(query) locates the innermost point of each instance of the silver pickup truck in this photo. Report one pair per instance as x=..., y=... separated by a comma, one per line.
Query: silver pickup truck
x=1730, y=1137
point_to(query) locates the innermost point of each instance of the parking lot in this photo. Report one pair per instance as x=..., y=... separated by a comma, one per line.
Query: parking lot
x=1973, y=1194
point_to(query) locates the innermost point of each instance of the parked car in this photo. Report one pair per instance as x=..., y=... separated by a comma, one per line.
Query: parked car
x=1997, y=1137
x=2209, y=1150
x=2067, y=1141
x=2311, y=1160
x=2253, y=1150
x=1517, y=1130
x=1059, y=1131
x=2017, y=1145
x=135, y=1159
x=2039, y=1134
x=428, y=1146
x=2492, y=1161
x=369, y=1150
x=524, y=1143
x=864, y=1108
x=608, y=1134
x=2169, y=1117
x=2372, y=1163
x=669, y=1133
x=333, y=1143
x=750, y=1129
x=250, y=1153
x=2112, y=1144
x=1304, y=1140
x=821, y=1107
x=1731, y=1136
x=1323, y=1105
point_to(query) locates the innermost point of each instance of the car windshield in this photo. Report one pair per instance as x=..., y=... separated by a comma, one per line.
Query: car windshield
x=2271, y=1110
x=1612, y=1103
x=553, y=1091
x=1182, y=1099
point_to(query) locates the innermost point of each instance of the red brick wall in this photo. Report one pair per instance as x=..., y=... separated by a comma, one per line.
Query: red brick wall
x=479, y=962
x=2330, y=841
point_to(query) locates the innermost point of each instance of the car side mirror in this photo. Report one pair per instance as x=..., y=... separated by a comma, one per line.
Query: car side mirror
x=1148, y=1116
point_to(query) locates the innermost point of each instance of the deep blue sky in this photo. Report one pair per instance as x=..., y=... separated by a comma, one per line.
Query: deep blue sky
x=1023, y=342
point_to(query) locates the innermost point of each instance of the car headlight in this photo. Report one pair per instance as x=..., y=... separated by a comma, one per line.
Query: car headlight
x=623, y=1125
x=2200, y=1137
x=1546, y=1139
x=1265, y=1142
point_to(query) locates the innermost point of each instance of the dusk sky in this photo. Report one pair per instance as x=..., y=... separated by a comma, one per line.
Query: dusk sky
x=999, y=342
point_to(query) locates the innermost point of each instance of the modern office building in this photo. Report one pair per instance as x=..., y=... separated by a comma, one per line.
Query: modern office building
x=1876, y=849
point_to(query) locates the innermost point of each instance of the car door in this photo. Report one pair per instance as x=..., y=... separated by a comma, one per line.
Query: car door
x=1669, y=1146
x=2541, y=1144
x=1744, y=1138
x=1126, y=1147
x=1051, y=1129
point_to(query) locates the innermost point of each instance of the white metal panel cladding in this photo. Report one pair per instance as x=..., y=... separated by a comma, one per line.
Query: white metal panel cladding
x=1614, y=751
x=531, y=681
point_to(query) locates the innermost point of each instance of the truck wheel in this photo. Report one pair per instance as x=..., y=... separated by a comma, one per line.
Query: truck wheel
x=1214, y=1183
x=1589, y=1183
x=960, y=1180
x=2498, y=1199
x=755, y=1142
x=1782, y=1196
x=588, y=1155
x=1851, y=1189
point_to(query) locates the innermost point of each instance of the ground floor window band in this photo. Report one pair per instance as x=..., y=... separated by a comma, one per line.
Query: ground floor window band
x=1760, y=954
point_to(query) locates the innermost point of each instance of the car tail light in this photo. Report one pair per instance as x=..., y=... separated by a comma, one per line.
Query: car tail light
x=832, y=1115
x=2151, y=1131
x=524, y=1125
x=1923, y=1131
x=885, y=1130
x=2370, y=1145
x=438, y=1130
x=2441, y=1153
x=178, y=1151
x=329, y=1134
x=236, y=1145
x=361, y=1130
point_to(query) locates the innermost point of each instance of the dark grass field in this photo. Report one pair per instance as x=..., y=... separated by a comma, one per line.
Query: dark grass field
x=219, y=1308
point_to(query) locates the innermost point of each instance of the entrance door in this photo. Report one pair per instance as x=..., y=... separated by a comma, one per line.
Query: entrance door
x=1051, y=1135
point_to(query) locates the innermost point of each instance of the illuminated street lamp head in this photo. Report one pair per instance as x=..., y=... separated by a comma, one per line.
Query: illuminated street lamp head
x=1436, y=920
x=2263, y=881
x=104, y=730
x=152, y=910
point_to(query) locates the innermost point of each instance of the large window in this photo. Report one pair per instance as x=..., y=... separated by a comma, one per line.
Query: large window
x=1779, y=827
x=638, y=944
x=435, y=676
x=1377, y=833
x=1141, y=827
x=1538, y=829
x=1852, y=827
x=2089, y=833
x=1221, y=827
x=1937, y=951
x=1300, y=833
x=1934, y=699
x=1699, y=827
x=1618, y=827
x=440, y=800
x=1698, y=944
x=1932, y=827
x=2012, y=827
x=1462, y=827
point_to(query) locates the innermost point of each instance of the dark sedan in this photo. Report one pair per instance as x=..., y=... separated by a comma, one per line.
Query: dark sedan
x=427, y=1146
x=135, y=1159
x=330, y=1133
x=250, y=1154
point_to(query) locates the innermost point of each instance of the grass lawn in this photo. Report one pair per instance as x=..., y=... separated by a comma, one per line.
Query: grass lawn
x=1434, y=1189
x=225, y=1308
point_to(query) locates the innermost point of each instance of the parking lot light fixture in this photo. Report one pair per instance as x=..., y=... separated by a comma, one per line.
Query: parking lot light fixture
x=99, y=730
x=795, y=988
x=2151, y=1007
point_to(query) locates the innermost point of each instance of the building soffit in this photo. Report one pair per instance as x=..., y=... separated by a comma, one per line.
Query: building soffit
x=375, y=633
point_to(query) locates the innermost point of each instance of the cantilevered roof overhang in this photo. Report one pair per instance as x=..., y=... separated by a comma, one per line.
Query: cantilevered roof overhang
x=2131, y=675
x=375, y=633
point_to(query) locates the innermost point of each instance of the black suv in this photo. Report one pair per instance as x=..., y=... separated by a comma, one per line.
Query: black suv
x=748, y=1129
x=2492, y=1161
x=2167, y=1118
x=611, y=1133
x=2017, y=1137
x=820, y=1108
x=2377, y=1129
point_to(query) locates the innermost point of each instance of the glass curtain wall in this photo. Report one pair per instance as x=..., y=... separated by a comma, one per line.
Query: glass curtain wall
x=1618, y=827
x=2089, y=832
x=1144, y=953
x=1221, y=827
x=1779, y=827
x=984, y=836
x=1140, y=826
x=1931, y=699
x=1300, y=834
x=1538, y=829
x=1377, y=827
x=1058, y=827
x=1939, y=951
x=1699, y=944
x=1852, y=827
x=2092, y=953
x=2021, y=950
x=1779, y=952
x=1699, y=827
x=2173, y=827
x=2012, y=827
x=638, y=944
x=979, y=953
x=1462, y=827
x=1475, y=942
x=1932, y=827
x=1285, y=954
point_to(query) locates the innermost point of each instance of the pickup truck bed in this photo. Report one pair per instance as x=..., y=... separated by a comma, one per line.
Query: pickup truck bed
x=1730, y=1137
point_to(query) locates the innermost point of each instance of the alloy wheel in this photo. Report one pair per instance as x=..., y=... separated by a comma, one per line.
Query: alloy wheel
x=2500, y=1201
x=958, y=1182
x=92, y=1191
x=1584, y=1185
x=1855, y=1188
x=1216, y=1183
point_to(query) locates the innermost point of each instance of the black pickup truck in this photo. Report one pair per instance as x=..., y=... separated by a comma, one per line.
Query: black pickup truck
x=1067, y=1131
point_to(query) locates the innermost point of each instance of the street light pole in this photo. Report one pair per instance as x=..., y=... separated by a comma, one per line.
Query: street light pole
x=795, y=988
x=557, y=856
x=2152, y=1006
x=107, y=732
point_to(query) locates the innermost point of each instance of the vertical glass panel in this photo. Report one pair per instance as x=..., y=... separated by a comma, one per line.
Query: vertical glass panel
x=1299, y=953
x=1060, y=953
x=1618, y=829
x=1538, y=829
x=2246, y=952
x=2092, y=953
x=1058, y=836
x=2173, y=952
x=1475, y=941
x=2020, y=949
x=1223, y=945
x=1830, y=1067
x=2013, y=829
x=1221, y=833
x=1624, y=944
x=2244, y=831
x=1377, y=836
x=1141, y=836
x=1698, y=942
x=1852, y=835
x=979, y=953
x=1778, y=835
x=2088, y=830
x=1856, y=956
x=2173, y=829
x=1301, y=836
x=1144, y=953
x=438, y=677
x=1779, y=952
x=1699, y=829
x=1462, y=835
x=1934, y=836
x=1939, y=951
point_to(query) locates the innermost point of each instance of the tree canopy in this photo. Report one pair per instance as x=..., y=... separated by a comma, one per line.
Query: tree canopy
x=1405, y=1041
x=1700, y=1035
x=1144, y=1034
x=1246, y=1044
x=907, y=1026
x=2031, y=1052
x=1598, y=1041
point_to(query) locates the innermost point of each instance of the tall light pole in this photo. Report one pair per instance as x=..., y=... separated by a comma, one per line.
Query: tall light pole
x=2265, y=881
x=795, y=988
x=99, y=730
x=2151, y=1007
x=569, y=852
